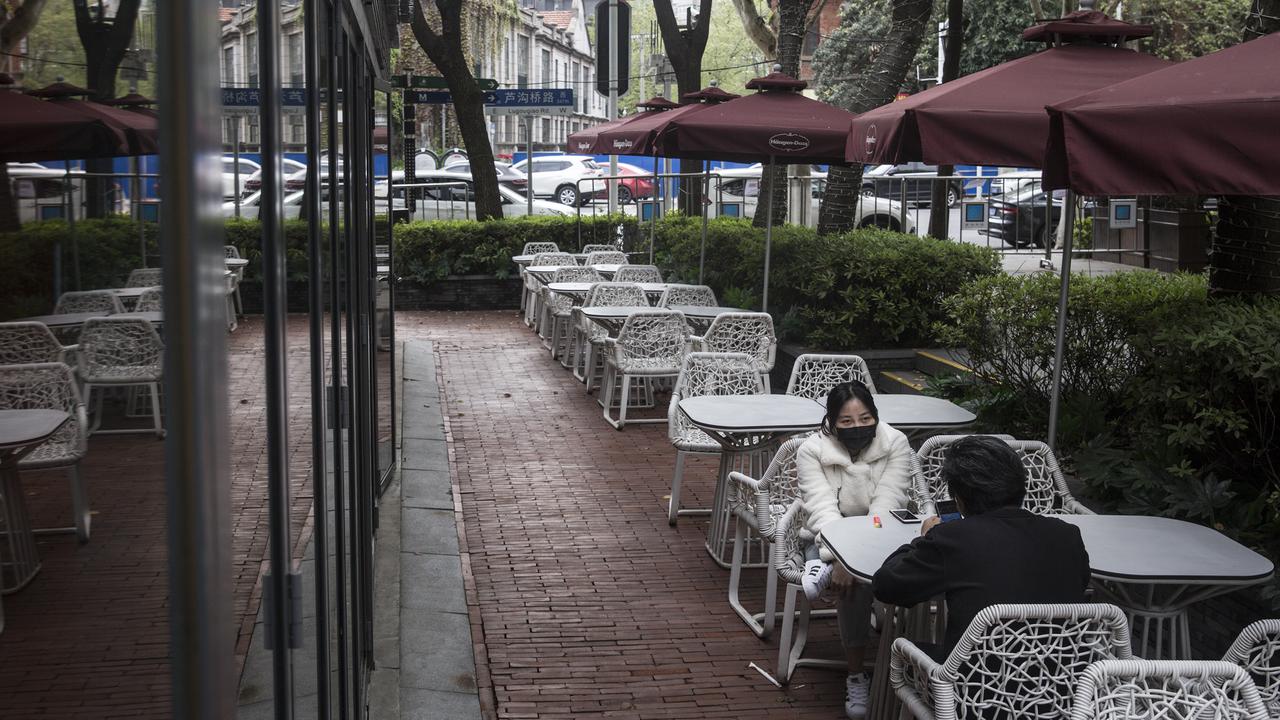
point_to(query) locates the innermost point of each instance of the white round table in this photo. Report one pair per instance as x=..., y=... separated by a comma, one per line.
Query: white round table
x=65, y=320
x=748, y=428
x=21, y=431
x=613, y=317
x=1152, y=567
x=607, y=269
x=700, y=316
x=921, y=412
x=578, y=290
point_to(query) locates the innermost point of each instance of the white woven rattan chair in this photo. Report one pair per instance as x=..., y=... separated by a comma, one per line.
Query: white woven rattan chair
x=1166, y=690
x=607, y=257
x=813, y=376
x=144, y=277
x=700, y=295
x=638, y=274
x=558, y=310
x=1014, y=662
x=703, y=374
x=88, y=301
x=759, y=504
x=121, y=352
x=745, y=332
x=591, y=335
x=787, y=561
x=650, y=345
x=152, y=300
x=598, y=247
x=22, y=343
x=1257, y=650
x=532, y=248
x=1047, y=491
x=533, y=286
x=52, y=386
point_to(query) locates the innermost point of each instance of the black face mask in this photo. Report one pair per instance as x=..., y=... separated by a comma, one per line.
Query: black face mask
x=856, y=439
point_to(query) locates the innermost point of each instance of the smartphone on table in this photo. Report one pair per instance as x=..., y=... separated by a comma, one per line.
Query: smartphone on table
x=947, y=510
x=906, y=517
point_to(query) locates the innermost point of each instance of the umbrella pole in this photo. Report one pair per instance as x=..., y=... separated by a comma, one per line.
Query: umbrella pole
x=653, y=210
x=1055, y=392
x=706, y=194
x=71, y=228
x=768, y=237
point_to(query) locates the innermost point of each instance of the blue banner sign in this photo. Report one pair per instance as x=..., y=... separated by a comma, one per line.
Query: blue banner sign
x=247, y=99
x=533, y=100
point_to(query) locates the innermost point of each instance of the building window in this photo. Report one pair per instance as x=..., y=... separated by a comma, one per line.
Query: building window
x=546, y=68
x=229, y=66
x=297, y=67
x=522, y=62
x=546, y=130
x=297, y=128
x=251, y=52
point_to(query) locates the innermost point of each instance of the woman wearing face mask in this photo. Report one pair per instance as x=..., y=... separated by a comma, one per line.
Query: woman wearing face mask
x=855, y=465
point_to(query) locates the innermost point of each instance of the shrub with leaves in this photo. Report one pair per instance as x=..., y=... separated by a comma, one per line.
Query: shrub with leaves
x=430, y=251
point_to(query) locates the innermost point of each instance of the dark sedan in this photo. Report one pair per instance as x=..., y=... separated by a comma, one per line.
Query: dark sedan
x=1023, y=218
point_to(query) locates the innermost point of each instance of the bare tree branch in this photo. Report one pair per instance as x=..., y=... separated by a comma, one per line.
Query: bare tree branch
x=16, y=26
x=757, y=28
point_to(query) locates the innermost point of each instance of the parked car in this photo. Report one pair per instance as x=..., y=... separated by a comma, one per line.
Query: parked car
x=1012, y=182
x=513, y=179
x=288, y=167
x=40, y=193
x=557, y=176
x=887, y=181
x=1023, y=217
x=293, y=204
x=248, y=169
x=745, y=190
x=638, y=183
x=454, y=198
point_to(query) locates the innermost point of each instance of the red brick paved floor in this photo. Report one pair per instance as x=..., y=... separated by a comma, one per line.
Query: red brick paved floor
x=89, y=637
x=590, y=604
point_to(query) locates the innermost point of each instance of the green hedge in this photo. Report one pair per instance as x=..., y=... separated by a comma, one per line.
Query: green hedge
x=429, y=251
x=869, y=288
x=1170, y=399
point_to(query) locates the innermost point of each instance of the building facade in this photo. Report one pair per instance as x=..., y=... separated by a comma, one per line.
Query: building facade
x=239, y=68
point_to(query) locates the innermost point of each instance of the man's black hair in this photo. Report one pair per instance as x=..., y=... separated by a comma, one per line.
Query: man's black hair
x=984, y=473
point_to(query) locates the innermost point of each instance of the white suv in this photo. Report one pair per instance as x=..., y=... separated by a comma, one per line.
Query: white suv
x=739, y=188
x=247, y=169
x=557, y=176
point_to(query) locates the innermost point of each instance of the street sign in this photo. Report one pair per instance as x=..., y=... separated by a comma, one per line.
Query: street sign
x=427, y=82
x=245, y=100
x=603, y=56
x=546, y=101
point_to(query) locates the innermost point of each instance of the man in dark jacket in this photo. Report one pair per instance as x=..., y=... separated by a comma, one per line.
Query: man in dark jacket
x=996, y=553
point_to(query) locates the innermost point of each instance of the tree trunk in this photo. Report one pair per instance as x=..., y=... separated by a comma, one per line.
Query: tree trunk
x=939, y=211
x=446, y=53
x=685, y=49
x=792, y=15
x=878, y=86
x=1245, y=254
x=105, y=41
x=18, y=23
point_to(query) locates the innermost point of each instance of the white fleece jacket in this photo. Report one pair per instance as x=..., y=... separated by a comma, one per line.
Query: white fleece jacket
x=833, y=485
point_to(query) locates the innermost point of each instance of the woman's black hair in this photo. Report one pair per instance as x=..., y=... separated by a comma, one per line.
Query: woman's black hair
x=984, y=473
x=843, y=393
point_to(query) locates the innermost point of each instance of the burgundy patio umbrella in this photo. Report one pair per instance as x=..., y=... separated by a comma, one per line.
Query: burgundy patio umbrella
x=133, y=102
x=777, y=123
x=32, y=129
x=1208, y=126
x=996, y=116
x=586, y=140
x=141, y=131
x=639, y=137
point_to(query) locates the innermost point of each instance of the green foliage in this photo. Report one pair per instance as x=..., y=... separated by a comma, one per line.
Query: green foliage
x=867, y=289
x=108, y=249
x=430, y=251
x=1008, y=324
x=1083, y=237
x=1201, y=437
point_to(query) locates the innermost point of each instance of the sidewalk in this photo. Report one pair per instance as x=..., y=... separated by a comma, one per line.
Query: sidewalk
x=588, y=603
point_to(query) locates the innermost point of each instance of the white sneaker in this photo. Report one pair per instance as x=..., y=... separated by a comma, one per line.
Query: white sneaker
x=816, y=578
x=857, y=690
